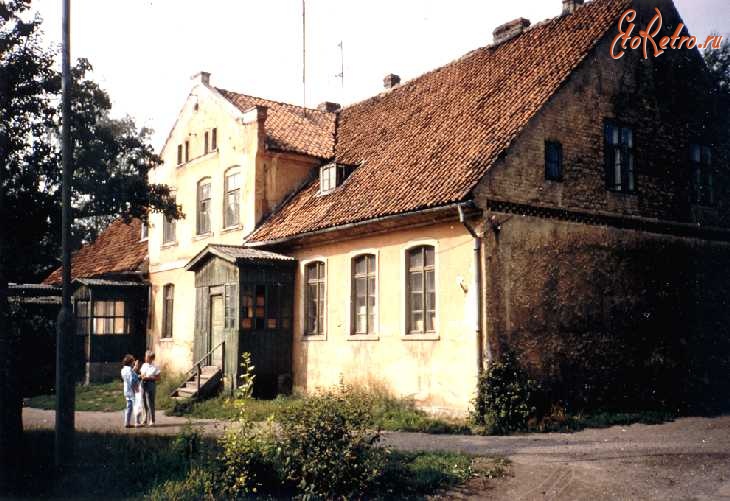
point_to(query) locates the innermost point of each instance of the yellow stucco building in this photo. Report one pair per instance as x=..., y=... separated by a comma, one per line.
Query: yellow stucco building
x=406, y=240
x=232, y=159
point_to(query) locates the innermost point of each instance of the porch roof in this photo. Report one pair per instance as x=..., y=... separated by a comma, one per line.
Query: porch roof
x=236, y=254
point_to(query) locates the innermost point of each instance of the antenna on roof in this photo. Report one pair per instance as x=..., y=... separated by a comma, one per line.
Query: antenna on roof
x=304, y=54
x=341, y=74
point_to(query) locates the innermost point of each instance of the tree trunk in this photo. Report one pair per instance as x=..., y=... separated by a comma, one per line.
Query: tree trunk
x=11, y=404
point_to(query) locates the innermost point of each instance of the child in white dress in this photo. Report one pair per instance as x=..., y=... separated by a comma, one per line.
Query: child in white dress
x=138, y=408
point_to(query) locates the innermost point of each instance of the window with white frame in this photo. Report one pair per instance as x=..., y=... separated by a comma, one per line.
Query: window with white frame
x=703, y=180
x=110, y=317
x=364, y=294
x=421, y=290
x=203, y=219
x=619, y=153
x=231, y=202
x=314, y=298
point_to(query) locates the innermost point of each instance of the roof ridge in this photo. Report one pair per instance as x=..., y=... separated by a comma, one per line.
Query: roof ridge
x=280, y=103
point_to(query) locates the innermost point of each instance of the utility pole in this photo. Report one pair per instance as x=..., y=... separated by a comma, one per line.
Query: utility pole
x=65, y=391
x=304, y=54
x=341, y=74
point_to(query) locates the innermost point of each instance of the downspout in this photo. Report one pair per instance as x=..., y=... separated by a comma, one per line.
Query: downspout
x=478, y=285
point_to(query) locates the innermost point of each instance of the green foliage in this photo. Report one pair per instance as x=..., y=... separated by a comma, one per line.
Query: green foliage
x=247, y=464
x=559, y=421
x=718, y=62
x=108, y=397
x=410, y=474
x=111, y=157
x=505, y=396
x=198, y=485
x=327, y=447
x=388, y=412
x=246, y=379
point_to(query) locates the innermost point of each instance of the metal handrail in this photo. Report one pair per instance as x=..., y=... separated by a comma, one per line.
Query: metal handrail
x=196, y=368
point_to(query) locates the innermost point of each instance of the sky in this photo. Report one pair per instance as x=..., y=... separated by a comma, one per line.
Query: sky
x=144, y=52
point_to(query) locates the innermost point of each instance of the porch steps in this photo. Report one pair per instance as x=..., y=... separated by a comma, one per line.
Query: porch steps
x=210, y=377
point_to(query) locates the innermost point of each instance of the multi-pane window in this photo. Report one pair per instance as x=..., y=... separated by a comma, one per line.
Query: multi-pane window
x=187, y=151
x=179, y=154
x=314, y=298
x=213, y=139
x=421, y=290
x=332, y=175
x=110, y=318
x=619, y=145
x=703, y=189
x=265, y=307
x=168, y=302
x=328, y=178
x=553, y=161
x=229, y=316
x=206, y=144
x=232, y=199
x=363, y=294
x=168, y=230
x=82, y=318
x=203, y=207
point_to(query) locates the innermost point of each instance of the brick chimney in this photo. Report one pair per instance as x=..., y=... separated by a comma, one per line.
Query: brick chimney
x=391, y=81
x=570, y=6
x=329, y=106
x=202, y=77
x=510, y=30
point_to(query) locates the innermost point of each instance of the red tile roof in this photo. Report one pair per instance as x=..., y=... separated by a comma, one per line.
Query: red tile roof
x=117, y=249
x=291, y=128
x=429, y=141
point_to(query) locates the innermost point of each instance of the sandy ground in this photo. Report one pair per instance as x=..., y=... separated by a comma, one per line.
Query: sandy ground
x=685, y=459
x=114, y=421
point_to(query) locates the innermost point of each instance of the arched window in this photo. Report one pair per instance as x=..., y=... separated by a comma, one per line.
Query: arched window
x=232, y=198
x=421, y=290
x=168, y=301
x=364, y=295
x=314, y=298
x=203, y=221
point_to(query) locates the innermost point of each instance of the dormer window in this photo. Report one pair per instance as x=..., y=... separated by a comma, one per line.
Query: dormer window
x=332, y=175
x=145, y=233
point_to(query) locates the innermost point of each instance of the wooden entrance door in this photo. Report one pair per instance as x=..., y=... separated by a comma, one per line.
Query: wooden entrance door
x=216, y=329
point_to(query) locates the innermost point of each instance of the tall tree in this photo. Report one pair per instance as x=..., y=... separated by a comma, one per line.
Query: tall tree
x=111, y=158
x=718, y=62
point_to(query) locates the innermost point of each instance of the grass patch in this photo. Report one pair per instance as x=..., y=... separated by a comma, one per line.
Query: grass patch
x=106, y=465
x=559, y=422
x=121, y=465
x=107, y=397
x=389, y=413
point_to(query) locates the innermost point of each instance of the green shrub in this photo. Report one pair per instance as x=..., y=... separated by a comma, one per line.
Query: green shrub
x=505, y=397
x=327, y=449
x=198, y=485
x=247, y=463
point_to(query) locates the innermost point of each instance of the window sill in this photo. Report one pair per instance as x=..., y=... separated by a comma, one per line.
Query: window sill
x=198, y=158
x=202, y=236
x=230, y=229
x=166, y=339
x=321, y=337
x=363, y=337
x=168, y=245
x=429, y=336
x=634, y=193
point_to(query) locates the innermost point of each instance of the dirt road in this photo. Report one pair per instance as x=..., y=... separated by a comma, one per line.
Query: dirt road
x=685, y=459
